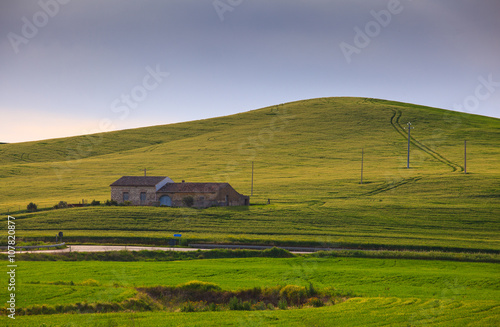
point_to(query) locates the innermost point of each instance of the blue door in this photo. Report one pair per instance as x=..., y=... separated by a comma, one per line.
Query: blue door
x=165, y=200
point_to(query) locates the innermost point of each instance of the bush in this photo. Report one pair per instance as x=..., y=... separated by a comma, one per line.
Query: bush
x=127, y=203
x=213, y=307
x=111, y=203
x=238, y=304
x=61, y=205
x=282, y=304
x=259, y=306
x=188, y=307
x=188, y=201
x=311, y=291
x=315, y=302
x=200, y=286
x=95, y=203
x=32, y=207
x=293, y=294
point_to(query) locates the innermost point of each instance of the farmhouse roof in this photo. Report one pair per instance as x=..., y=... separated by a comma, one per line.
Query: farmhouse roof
x=139, y=181
x=192, y=187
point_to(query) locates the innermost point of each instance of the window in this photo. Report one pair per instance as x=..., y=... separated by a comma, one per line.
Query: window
x=143, y=197
x=125, y=196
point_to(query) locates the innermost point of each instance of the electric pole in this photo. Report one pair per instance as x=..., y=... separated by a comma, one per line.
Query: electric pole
x=465, y=156
x=251, y=191
x=408, y=158
x=362, y=155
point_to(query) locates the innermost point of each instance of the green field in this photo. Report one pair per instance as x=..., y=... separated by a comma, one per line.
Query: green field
x=307, y=157
x=386, y=291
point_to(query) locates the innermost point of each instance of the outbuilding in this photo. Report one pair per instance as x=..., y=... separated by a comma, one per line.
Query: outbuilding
x=163, y=191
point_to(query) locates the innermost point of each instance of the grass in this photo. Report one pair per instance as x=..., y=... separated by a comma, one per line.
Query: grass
x=386, y=290
x=307, y=163
x=307, y=160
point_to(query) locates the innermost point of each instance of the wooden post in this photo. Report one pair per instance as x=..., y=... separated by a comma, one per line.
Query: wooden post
x=362, y=155
x=251, y=190
x=465, y=156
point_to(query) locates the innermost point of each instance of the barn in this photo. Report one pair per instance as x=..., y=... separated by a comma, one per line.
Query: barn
x=163, y=191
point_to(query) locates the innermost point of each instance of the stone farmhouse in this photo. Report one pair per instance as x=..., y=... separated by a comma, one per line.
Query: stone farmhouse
x=162, y=191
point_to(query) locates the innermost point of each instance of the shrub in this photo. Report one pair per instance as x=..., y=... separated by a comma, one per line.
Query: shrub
x=200, y=286
x=188, y=201
x=315, y=302
x=127, y=203
x=259, y=306
x=32, y=207
x=61, y=205
x=213, y=307
x=111, y=203
x=95, y=203
x=188, y=307
x=282, y=304
x=293, y=294
x=238, y=304
x=311, y=291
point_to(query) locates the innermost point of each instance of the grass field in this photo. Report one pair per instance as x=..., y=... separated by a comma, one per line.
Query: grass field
x=386, y=291
x=307, y=158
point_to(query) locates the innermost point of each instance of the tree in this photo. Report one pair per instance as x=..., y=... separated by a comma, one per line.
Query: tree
x=32, y=207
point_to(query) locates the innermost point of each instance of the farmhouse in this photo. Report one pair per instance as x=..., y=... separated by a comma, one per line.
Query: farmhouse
x=162, y=191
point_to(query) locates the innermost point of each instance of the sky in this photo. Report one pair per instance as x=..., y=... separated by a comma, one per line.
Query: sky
x=72, y=67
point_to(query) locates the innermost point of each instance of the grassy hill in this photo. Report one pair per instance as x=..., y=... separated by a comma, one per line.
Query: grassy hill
x=307, y=157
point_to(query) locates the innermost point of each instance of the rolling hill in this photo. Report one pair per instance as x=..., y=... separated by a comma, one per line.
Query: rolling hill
x=307, y=157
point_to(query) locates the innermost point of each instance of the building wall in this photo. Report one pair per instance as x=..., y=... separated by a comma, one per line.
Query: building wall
x=206, y=199
x=134, y=194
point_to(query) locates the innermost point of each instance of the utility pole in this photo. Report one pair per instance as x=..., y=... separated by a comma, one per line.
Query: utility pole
x=144, y=172
x=408, y=158
x=362, y=155
x=251, y=191
x=465, y=156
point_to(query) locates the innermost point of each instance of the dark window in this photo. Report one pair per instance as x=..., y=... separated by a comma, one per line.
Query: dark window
x=125, y=196
x=143, y=197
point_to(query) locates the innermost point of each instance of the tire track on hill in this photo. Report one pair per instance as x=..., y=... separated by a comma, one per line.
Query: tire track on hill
x=397, y=126
x=392, y=186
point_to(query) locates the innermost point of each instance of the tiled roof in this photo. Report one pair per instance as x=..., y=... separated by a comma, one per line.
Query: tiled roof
x=192, y=187
x=138, y=181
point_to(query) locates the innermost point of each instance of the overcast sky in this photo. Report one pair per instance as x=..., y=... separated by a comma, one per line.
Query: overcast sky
x=80, y=66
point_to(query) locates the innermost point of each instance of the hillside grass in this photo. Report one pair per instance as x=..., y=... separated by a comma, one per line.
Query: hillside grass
x=307, y=162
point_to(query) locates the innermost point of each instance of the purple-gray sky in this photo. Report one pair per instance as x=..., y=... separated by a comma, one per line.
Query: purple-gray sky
x=80, y=66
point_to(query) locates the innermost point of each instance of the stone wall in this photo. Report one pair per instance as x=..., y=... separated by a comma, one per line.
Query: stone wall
x=134, y=194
